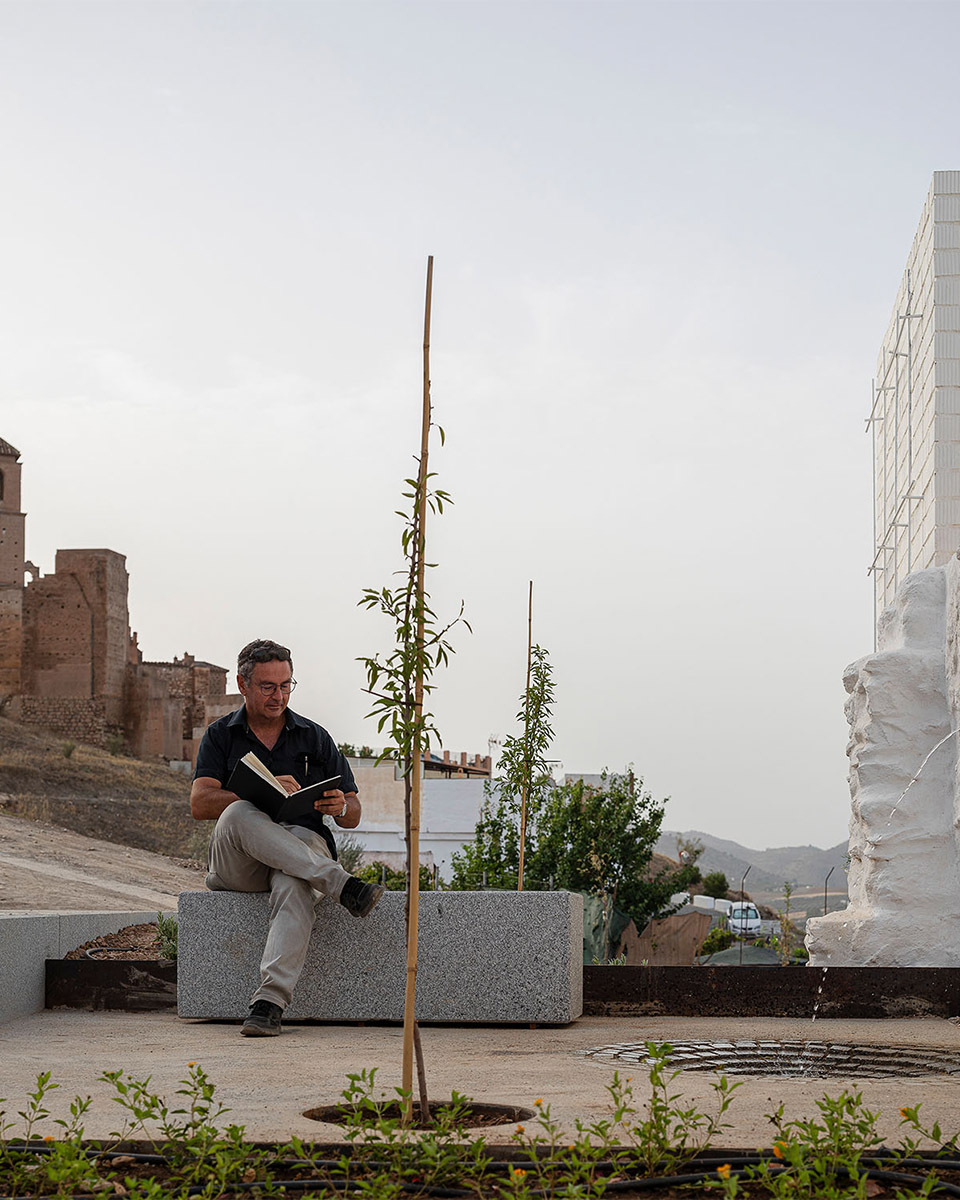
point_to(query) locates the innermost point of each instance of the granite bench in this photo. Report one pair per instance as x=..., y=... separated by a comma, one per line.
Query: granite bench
x=490, y=956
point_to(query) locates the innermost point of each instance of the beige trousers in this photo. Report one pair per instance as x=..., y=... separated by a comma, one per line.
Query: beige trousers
x=250, y=853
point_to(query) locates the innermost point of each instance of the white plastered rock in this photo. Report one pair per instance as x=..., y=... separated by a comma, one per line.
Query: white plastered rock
x=904, y=872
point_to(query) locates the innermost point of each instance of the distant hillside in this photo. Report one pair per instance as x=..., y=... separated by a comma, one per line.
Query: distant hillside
x=112, y=797
x=770, y=869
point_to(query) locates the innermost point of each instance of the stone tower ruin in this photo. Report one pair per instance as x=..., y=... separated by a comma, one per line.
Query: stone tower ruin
x=68, y=660
x=12, y=523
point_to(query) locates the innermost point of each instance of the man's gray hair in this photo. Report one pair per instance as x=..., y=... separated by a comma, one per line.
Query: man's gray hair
x=260, y=651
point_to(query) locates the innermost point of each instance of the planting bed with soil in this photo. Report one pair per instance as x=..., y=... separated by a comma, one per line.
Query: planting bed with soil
x=650, y=1144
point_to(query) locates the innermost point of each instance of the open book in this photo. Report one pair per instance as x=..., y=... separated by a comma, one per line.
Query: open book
x=250, y=780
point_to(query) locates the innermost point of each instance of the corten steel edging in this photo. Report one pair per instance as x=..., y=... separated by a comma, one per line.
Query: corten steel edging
x=756, y=991
x=131, y=985
x=848, y=992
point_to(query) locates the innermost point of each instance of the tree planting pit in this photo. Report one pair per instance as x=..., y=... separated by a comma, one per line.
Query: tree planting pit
x=472, y=1115
x=791, y=1059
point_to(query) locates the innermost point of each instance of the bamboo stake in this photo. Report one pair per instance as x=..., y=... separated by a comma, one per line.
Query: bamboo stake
x=526, y=742
x=413, y=845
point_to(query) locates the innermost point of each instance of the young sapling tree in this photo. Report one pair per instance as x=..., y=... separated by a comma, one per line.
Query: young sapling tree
x=399, y=682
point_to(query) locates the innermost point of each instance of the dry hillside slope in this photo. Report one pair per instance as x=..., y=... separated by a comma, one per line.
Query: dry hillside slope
x=92, y=792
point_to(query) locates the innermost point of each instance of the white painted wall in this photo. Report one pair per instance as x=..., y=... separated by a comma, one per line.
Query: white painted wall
x=450, y=810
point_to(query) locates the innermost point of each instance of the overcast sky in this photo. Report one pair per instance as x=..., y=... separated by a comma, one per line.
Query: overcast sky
x=667, y=240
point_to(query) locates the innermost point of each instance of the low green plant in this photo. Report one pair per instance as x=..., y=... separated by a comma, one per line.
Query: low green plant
x=647, y=1133
x=68, y=748
x=669, y=1134
x=393, y=881
x=716, y=940
x=789, y=935
x=167, y=936
x=115, y=743
x=821, y=1158
x=434, y=1157
x=189, y=1136
x=349, y=852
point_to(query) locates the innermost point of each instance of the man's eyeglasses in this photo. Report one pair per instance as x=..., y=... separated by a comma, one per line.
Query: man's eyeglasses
x=270, y=689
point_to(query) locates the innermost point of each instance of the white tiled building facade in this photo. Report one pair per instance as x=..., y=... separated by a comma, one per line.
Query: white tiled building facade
x=915, y=420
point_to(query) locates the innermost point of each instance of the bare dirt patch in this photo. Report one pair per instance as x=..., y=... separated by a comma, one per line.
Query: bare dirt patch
x=44, y=867
x=83, y=829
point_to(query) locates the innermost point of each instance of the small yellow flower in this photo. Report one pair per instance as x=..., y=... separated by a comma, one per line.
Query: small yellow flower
x=519, y=1129
x=724, y=1171
x=571, y=1146
x=49, y=1138
x=904, y=1113
x=518, y=1172
x=778, y=1149
x=539, y=1101
x=191, y=1064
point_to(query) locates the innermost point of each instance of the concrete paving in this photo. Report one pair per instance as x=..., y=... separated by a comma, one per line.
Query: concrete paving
x=268, y=1082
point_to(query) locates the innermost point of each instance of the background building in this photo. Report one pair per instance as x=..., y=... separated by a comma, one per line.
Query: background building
x=68, y=661
x=915, y=417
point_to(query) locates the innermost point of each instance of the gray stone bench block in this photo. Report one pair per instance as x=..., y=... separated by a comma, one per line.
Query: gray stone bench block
x=501, y=957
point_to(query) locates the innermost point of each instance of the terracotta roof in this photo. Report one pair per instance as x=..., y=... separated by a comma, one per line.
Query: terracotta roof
x=8, y=451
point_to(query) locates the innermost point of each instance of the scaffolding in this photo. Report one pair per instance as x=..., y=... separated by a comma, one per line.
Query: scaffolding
x=894, y=491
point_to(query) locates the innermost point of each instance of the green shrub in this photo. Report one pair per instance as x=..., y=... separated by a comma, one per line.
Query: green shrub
x=716, y=940
x=167, y=936
x=349, y=852
x=68, y=748
x=715, y=885
x=394, y=881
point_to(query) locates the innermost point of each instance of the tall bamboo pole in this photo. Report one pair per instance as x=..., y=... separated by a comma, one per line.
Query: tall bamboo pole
x=413, y=844
x=526, y=742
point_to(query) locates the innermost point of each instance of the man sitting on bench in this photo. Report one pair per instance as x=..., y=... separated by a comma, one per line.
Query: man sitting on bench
x=250, y=852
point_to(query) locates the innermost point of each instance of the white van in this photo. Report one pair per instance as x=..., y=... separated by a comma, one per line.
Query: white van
x=744, y=918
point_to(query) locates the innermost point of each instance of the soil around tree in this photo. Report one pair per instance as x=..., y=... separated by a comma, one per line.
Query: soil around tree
x=472, y=1115
x=140, y=943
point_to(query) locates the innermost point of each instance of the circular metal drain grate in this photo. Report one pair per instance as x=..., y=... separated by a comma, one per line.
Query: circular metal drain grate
x=814, y=1060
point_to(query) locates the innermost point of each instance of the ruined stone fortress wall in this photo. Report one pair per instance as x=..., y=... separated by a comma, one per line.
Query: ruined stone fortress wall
x=68, y=661
x=76, y=637
x=78, y=720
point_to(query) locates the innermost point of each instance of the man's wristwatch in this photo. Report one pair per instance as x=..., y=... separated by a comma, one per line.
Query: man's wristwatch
x=343, y=811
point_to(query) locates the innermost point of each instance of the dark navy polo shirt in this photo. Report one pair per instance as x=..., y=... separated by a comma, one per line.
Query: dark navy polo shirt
x=304, y=750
